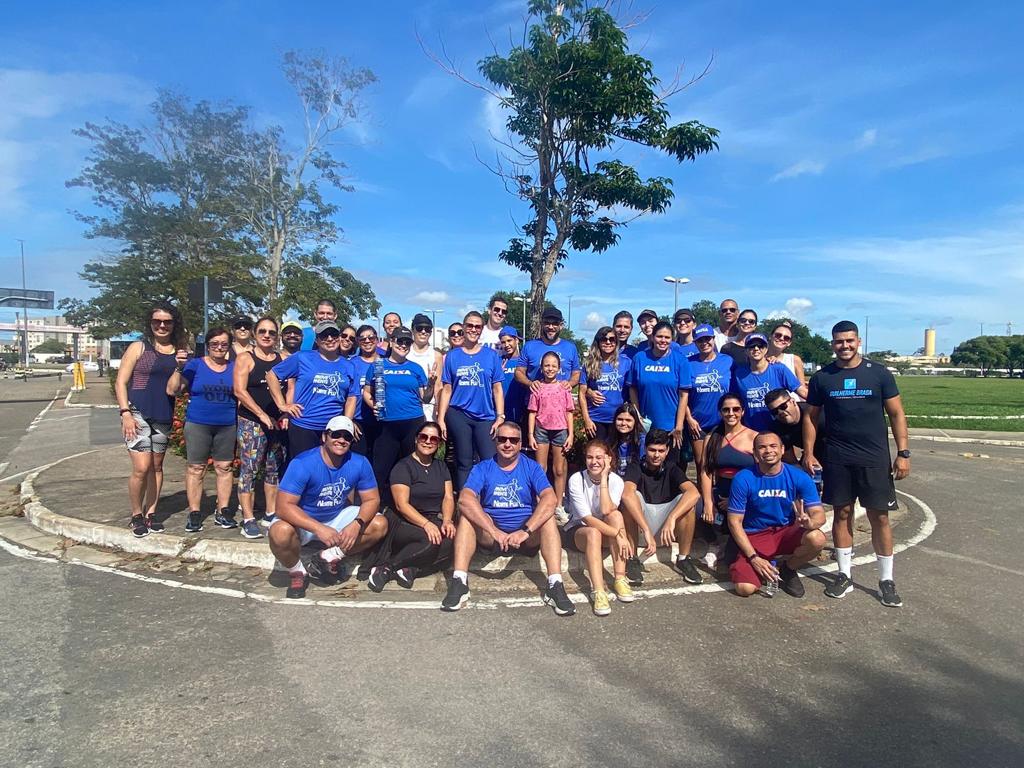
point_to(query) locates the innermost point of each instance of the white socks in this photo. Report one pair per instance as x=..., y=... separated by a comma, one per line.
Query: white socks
x=332, y=554
x=844, y=556
x=298, y=567
x=461, y=576
x=884, y=567
x=554, y=578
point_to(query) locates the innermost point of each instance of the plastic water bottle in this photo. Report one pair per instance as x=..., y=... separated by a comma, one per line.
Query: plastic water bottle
x=771, y=586
x=817, y=478
x=379, y=397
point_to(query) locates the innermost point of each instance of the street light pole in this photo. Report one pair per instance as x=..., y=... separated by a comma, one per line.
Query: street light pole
x=676, y=282
x=433, y=315
x=24, y=293
x=569, y=323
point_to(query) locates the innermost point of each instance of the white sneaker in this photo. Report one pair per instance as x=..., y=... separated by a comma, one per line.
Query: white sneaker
x=561, y=516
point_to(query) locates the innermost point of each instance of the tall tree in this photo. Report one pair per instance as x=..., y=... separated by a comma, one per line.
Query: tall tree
x=574, y=94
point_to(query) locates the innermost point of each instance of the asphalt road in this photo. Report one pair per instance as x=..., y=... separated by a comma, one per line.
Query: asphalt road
x=101, y=670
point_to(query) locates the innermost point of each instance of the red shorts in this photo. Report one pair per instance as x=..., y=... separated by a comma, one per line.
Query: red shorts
x=769, y=543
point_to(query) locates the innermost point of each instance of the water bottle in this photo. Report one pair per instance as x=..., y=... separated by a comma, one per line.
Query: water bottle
x=771, y=586
x=379, y=397
x=817, y=478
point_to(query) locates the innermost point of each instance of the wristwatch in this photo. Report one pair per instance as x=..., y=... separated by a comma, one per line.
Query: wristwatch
x=525, y=527
x=903, y=454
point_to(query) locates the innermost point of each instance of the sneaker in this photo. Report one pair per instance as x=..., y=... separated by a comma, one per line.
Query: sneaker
x=555, y=596
x=297, y=585
x=634, y=571
x=321, y=570
x=561, y=516
x=690, y=573
x=601, y=606
x=268, y=520
x=251, y=529
x=406, y=577
x=840, y=587
x=458, y=595
x=623, y=592
x=789, y=581
x=154, y=525
x=194, y=522
x=887, y=591
x=138, y=526
x=380, y=575
x=225, y=519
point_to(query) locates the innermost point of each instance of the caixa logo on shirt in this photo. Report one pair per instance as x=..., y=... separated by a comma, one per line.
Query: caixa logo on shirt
x=658, y=368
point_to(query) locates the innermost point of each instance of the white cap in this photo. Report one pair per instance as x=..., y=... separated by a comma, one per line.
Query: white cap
x=340, y=422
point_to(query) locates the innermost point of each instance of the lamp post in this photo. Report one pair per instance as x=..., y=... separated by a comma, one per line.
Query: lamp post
x=569, y=320
x=676, y=282
x=433, y=315
x=24, y=293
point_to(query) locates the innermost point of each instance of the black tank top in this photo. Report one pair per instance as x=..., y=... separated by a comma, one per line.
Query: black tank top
x=256, y=386
x=147, y=390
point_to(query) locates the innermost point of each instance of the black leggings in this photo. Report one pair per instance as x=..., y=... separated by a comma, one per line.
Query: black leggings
x=410, y=547
x=395, y=441
x=301, y=439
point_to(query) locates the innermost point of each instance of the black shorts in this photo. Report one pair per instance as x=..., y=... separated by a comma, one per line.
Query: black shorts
x=525, y=550
x=873, y=486
x=569, y=538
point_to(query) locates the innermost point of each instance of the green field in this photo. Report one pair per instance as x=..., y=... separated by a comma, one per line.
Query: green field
x=928, y=396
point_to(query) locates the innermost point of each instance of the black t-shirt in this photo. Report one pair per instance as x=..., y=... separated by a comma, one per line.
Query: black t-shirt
x=737, y=352
x=657, y=487
x=426, y=484
x=853, y=402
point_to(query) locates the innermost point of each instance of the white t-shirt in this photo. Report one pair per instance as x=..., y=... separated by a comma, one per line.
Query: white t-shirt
x=585, y=497
x=425, y=359
x=721, y=339
x=490, y=337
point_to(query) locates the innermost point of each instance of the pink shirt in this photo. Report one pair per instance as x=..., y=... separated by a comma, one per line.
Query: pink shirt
x=553, y=403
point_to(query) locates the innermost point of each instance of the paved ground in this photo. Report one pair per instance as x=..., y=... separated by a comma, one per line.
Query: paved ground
x=104, y=670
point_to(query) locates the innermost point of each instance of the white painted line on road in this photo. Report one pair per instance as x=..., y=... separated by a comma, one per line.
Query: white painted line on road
x=925, y=530
x=46, y=466
x=971, y=560
x=42, y=413
x=975, y=440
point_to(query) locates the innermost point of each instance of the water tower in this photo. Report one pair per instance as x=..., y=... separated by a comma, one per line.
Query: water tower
x=929, y=342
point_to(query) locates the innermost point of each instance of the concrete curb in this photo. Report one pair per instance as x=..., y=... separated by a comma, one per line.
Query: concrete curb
x=69, y=404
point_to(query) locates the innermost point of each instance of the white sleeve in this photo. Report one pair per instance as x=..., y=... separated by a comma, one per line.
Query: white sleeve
x=615, y=488
x=579, y=505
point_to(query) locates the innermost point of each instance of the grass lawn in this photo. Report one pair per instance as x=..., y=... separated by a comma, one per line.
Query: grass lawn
x=925, y=396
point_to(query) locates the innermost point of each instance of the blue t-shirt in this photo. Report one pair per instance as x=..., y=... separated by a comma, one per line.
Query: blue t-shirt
x=767, y=500
x=534, y=351
x=687, y=349
x=516, y=394
x=321, y=386
x=401, y=390
x=362, y=373
x=308, y=340
x=472, y=378
x=628, y=350
x=612, y=384
x=753, y=387
x=324, y=491
x=711, y=380
x=657, y=382
x=508, y=496
x=675, y=346
x=211, y=394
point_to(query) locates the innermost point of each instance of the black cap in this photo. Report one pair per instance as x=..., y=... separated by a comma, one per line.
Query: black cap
x=551, y=315
x=421, y=319
x=646, y=313
x=401, y=332
x=681, y=313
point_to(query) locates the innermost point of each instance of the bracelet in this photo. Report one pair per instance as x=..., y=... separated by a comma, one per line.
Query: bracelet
x=124, y=411
x=750, y=558
x=362, y=524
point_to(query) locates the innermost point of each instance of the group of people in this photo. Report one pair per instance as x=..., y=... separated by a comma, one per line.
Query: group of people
x=345, y=428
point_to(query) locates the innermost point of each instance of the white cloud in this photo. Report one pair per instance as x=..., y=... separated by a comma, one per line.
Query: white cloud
x=796, y=308
x=32, y=94
x=800, y=168
x=593, y=321
x=431, y=297
x=867, y=139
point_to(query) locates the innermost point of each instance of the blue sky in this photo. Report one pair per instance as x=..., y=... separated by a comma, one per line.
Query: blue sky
x=870, y=163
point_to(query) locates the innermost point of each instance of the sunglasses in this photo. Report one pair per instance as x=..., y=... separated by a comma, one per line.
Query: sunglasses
x=348, y=337
x=780, y=408
x=241, y=327
x=757, y=346
x=405, y=341
x=781, y=337
x=501, y=439
x=428, y=439
x=422, y=329
x=473, y=326
x=367, y=339
x=453, y=334
x=218, y=345
x=331, y=335
x=340, y=434
x=682, y=320
x=727, y=310
x=267, y=332
x=610, y=340
x=704, y=340
x=499, y=311
x=730, y=409
x=747, y=321
x=161, y=322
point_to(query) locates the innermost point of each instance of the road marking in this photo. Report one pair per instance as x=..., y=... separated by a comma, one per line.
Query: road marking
x=971, y=560
x=46, y=466
x=42, y=413
x=972, y=440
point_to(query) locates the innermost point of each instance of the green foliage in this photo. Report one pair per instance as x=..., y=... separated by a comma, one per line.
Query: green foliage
x=50, y=347
x=811, y=347
x=705, y=311
x=991, y=352
x=572, y=91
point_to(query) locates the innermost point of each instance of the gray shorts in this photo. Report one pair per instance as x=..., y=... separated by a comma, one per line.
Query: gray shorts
x=550, y=436
x=656, y=514
x=150, y=436
x=204, y=442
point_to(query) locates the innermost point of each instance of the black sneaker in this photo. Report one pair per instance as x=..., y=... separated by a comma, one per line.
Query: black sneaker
x=406, y=577
x=225, y=519
x=887, y=591
x=194, y=523
x=458, y=595
x=321, y=570
x=789, y=581
x=380, y=575
x=138, y=526
x=841, y=587
x=555, y=596
x=634, y=571
x=154, y=525
x=297, y=584
x=690, y=573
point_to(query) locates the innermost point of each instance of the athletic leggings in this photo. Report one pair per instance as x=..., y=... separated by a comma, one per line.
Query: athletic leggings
x=469, y=435
x=369, y=428
x=256, y=448
x=301, y=439
x=410, y=547
x=395, y=441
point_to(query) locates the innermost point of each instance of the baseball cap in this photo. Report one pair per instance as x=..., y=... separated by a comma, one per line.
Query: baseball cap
x=421, y=319
x=703, y=331
x=756, y=337
x=646, y=313
x=326, y=325
x=508, y=330
x=401, y=332
x=241, y=321
x=681, y=313
x=290, y=325
x=551, y=315
x=340, y=422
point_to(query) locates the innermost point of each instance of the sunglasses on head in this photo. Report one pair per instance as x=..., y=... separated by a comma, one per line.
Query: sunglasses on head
x=783, y=406
x=513, y=439
x=429, y=439
x=340, y=434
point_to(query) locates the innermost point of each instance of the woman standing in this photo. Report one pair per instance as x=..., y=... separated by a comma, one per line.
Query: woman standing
x=406, y=389
x=422, y=533
x=602, y=383
x=147, y=410
x=241, y=336
x=260, y=442
x=209, y=426
x=778, y=343
x=363, y=365
x=429, y=359
x=472, y=399
x=712, y=375
x=516, y=394
x=659, y=383
x=745, y=325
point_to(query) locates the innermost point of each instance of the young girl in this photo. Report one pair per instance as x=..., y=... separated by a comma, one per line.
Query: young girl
x=627, y=438
x=549, y=422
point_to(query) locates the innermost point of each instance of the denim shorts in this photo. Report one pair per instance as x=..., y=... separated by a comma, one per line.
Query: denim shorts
x=550, y=436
